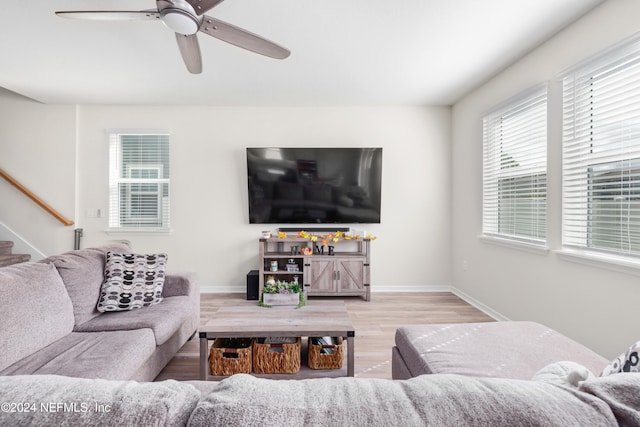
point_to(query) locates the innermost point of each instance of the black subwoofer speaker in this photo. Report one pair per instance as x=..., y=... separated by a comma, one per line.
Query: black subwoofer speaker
x=252, y=285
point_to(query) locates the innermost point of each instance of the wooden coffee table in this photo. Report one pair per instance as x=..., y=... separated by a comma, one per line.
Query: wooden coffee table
x=245, y=319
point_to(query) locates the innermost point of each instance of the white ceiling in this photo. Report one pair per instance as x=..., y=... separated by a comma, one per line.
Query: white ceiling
x=344, y=52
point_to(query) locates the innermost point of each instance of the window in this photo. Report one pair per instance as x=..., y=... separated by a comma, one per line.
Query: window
x=139, y=181
x=601, y=152
x=515, y=169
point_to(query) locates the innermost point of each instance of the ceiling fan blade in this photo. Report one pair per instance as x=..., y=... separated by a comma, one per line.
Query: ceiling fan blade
x=202, y=6
x=111, y=15
x=242, y=38
x=190, y=51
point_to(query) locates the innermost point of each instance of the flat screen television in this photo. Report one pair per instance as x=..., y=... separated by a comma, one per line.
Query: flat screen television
x=314, y=185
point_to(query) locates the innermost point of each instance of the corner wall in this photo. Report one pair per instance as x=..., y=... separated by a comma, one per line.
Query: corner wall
x=592, y=305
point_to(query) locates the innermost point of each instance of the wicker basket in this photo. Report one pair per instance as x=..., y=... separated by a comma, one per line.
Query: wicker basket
x=230, y=356
x=276, y=358
x=330, y=358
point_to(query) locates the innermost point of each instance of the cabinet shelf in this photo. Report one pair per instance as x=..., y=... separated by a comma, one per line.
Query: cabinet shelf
x=283, y=273
x=279, y=255
x=344, y=273
x=282, y=255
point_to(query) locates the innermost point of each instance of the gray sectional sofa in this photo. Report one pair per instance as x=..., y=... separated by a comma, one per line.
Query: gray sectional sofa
x=514, y=350
x=50, y=323
x=64, y=363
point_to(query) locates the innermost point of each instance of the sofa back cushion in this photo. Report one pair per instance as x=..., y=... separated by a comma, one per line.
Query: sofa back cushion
x=82, y=272
x=35, y=310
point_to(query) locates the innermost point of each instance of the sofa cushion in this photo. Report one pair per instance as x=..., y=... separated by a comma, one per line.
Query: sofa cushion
x=491, y=349
x=35, y=310
x=82, y=272
x=163, y=319
x=109, y=355
x=132, y=281
x=95, y=402
x=438, y=400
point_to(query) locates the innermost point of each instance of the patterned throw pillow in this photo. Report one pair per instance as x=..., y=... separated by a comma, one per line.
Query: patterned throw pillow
x=132, y=281
x=626, y=362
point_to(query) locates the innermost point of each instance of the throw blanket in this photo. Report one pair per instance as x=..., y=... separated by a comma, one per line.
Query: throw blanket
x=428, y=400
x=51, y=400
x=557, y=398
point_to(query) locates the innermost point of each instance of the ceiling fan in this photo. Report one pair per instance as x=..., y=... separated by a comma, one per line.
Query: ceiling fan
x=186, y=18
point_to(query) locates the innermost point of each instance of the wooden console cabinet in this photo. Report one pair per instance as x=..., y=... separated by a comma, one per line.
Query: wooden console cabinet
x=345, y=273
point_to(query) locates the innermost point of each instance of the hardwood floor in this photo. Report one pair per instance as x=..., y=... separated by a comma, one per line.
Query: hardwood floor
x=375, y=323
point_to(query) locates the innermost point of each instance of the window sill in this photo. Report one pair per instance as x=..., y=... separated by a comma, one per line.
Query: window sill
x=515, y=244
x=617, y=263
x=138, y=230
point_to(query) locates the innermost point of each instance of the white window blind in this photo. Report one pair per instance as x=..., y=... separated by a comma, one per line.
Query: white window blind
x=601, y=152
x=515, y=169
x=139, y=181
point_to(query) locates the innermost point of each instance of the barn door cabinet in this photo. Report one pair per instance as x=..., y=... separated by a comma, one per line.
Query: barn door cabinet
x=345, y=273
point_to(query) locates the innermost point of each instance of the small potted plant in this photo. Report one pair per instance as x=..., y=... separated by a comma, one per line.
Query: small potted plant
x=277, y=292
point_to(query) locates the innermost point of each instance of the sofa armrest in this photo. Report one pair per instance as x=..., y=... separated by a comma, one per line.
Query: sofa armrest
x=176, y=284
x=184, y=284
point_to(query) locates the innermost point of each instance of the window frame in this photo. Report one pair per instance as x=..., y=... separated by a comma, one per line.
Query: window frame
x=528, y=106
x=122, y=218
x=605, y=143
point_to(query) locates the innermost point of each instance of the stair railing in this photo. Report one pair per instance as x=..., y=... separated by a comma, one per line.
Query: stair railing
x=57, y=215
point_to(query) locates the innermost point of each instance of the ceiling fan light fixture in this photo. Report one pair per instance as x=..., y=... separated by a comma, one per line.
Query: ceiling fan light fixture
x=181, y=17
x=180, y=21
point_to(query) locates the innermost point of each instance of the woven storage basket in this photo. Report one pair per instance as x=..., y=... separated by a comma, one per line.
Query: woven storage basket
x=330, y=359
x=276, y=358
x=230, y=356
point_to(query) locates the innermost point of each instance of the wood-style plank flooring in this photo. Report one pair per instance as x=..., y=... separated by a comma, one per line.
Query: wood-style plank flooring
x=375, y=323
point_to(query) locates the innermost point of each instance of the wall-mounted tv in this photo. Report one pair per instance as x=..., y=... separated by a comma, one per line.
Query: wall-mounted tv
x=314, y=185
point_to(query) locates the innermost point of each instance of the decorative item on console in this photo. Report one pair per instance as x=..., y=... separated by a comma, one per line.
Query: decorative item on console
x=325, y=239
x=277, y=292
x=292, y=266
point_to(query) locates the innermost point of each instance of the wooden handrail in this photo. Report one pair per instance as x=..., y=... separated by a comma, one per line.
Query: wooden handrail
x=35, y=198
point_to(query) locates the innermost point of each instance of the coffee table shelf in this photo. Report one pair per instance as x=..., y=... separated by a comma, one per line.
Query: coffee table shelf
x=245, y=319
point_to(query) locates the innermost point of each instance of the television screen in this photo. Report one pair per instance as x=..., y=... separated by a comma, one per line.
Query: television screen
x=314, y=185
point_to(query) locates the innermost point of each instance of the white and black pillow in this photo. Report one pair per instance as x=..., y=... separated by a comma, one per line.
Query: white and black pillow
x=626, y=362
x=132, y=281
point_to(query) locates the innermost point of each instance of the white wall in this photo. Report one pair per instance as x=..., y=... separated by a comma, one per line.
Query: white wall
x=594, y=306
x=61, y=154
x=209, y=216
x=37, y=148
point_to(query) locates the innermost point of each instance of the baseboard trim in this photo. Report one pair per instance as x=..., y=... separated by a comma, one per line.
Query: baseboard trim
x=480, y=306
x=410, y=288
x=222, y=289
x=210, y=289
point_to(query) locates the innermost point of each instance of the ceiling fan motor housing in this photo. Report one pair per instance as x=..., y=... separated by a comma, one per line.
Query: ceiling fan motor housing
x=179, y=16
